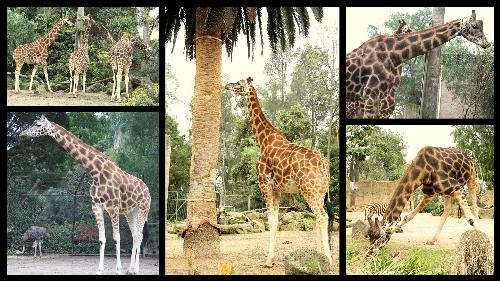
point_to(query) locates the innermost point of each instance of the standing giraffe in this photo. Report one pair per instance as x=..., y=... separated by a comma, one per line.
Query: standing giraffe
x=441, y=171
x=120, y=58
x=112, y=189
x=36, y=53
x=285, y=167
x=79, y=59
x=387, y=102
x=369, y=68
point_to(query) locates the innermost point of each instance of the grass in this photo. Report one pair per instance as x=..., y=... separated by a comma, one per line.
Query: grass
x=396, y=259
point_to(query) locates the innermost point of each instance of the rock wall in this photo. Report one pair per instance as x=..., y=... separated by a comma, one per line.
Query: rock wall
x=373, y=192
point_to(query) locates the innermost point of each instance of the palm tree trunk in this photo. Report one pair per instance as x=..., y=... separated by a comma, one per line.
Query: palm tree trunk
x=201, y=237
x=430, y=101
x=80, y=12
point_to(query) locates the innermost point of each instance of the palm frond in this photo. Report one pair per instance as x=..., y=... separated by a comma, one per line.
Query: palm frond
x=318, y=13
x=290, y=25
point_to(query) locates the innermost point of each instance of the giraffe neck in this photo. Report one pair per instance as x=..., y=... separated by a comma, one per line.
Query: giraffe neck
x=401, y=195
x=81, y=151
x=85, y=38
x=49, y=38
x=261, y=127
x=413, y=44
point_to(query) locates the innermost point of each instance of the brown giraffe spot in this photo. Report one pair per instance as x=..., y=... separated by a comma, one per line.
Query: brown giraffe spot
x=426, y=35
x=98, y=164
x=91, y=156
x=102, y=179
x=83, y=150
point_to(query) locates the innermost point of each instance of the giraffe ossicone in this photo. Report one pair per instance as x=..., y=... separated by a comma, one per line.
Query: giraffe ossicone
x=284, y=167
x=441, y=172
x=113, y=190
x=370, y=68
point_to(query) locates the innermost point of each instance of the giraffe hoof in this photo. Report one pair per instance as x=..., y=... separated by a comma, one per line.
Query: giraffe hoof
x=430, y=242
x=269, y=264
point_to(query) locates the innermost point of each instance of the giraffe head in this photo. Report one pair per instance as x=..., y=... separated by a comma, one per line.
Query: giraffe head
x=379, y=235
x=66, y=20
x=403, y=28
x=138, y=43
x=472, y=30
x=241, y=87
x=87, y=19
x=40, y=127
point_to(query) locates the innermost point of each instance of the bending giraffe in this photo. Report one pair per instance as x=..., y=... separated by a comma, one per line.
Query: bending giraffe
x=79, y=60
x=120, y=58
x=36, y=53
x=113, y=190
x=440, y=171
x=387, y=102
x=369, y=68
x=285, y=167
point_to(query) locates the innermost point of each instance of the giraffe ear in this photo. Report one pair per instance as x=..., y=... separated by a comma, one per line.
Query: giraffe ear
x=249, y=80
x=473, y=16
x=403, y=22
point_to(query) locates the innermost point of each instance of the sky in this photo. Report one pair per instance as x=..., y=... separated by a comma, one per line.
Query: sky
x=358, y=19
x=418, y=136
x=154, y=33
x=240, y=67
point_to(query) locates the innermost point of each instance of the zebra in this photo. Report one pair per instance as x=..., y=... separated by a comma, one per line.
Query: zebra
x=379, y=210
x=374, y=209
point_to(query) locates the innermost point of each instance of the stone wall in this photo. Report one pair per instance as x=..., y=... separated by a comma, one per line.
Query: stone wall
x=373, y=192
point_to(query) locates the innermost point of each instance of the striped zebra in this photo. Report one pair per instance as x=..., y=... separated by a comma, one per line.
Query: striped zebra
x=374, y=209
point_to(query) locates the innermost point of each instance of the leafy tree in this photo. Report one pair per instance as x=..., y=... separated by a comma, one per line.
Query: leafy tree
x=294, y=123
x=179, y=162
x=478, y=142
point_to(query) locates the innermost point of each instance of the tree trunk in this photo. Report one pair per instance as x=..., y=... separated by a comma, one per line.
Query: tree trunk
x=146, y=33
x=167, y=167
x=353, y=178
x=201, y=237
x=430, y=101
x=80, y=12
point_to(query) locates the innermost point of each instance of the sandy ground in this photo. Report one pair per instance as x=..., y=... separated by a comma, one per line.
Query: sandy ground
x=423, y=226
x=248, y=252
x=74, y=265
x=59, y=98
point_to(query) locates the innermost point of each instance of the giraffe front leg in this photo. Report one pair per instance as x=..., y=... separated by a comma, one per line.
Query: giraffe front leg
x=118, y=81
x=114, y=214
x=127, y=68
x=76, y=80
x=84, y=80
x=35, y=68
x=273, y=219
x=114, y=82
x=47, y=78
x=98, y=213
x=17, y=73
x=444, y=216
x=410, y=215
x=70, y=81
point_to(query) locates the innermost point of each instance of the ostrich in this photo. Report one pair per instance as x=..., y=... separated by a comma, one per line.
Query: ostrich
x=35, y=234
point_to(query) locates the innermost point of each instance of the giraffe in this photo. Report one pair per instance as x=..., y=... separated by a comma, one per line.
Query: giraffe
x=387, y=102
x=369, y=68
x=285, y=167
x=112, y=189
x=441, y=172
x=120, y=58
x=36, y=53
x=79, y=59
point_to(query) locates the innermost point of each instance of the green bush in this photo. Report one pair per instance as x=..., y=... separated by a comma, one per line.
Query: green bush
x=148, y=96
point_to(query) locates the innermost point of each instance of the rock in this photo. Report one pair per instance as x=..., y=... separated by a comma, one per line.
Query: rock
x=292, y=226
x=236, y=217
x=359, y=230
x=175, y=228
x=306, y=262
x=96, y=88
x=252, y=215
x=291, y=217
x=258, y=225
x=486, y=213
x=240, y=228
x=61, y=87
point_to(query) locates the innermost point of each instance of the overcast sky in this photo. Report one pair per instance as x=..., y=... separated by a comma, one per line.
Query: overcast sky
x=154, y=33
x=241, y=66
x=358, y=19
x=418, y=136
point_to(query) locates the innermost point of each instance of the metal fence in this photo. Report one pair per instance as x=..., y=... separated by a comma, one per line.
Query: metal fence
x=71, y=224
x=177, y=204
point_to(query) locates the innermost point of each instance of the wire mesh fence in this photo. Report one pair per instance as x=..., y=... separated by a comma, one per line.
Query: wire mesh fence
x=177, y=204
x=71, y=225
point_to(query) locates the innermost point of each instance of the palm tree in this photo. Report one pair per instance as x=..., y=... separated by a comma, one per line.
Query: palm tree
x=433, y=73
x=207, y=29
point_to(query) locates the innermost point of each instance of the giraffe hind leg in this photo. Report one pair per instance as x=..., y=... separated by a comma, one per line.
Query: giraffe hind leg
x=35, y=68
x=17, y=73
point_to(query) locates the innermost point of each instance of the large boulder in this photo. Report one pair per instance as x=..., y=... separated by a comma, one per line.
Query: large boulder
x=61, y=87
x=306, y=262
x=359, y=230
x=253, y=215
x=258, y=225
x=95, y=88
x=175, y=227
x=291, y=217
x=487, y=213
x=239, y=228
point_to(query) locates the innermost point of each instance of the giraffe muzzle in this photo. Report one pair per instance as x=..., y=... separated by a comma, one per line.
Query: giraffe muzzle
x=23, y=134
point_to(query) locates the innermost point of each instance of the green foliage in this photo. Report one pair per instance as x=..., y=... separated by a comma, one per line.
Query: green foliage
x=148, y=96
x=478, y=142
x=294, y=122
x=180, y=160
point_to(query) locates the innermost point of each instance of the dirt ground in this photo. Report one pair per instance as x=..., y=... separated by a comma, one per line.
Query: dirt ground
x=59, y=98
x=74, y=265
x=423, y=226
x=248, y=252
